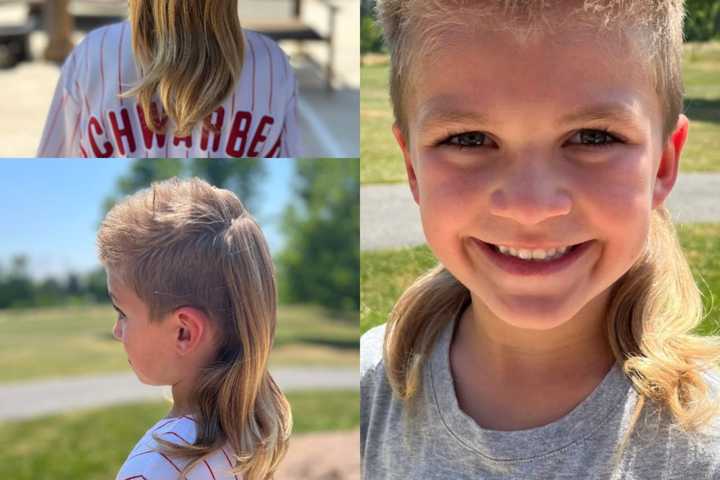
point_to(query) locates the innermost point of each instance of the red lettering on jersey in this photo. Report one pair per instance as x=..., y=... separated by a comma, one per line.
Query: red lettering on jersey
x=239, y=132
x=149, y=135
x=186, y=140
x=260, y=135
x=275, y=150
x=94, y=124
x=219, y=115
x=126, y=131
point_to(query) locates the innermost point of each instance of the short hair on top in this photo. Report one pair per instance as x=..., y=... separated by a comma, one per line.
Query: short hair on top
x=186, y=243
x=652, y=28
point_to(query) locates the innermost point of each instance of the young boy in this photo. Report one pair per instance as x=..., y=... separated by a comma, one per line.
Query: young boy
x=554, y=341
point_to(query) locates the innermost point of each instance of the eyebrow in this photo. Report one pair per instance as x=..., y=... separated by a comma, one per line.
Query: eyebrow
x=445, y=114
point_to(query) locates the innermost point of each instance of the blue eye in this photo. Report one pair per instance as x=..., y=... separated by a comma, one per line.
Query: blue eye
x=595, y=138
x=465, y=140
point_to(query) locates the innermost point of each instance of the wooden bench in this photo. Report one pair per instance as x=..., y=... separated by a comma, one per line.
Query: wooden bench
x=295, y=29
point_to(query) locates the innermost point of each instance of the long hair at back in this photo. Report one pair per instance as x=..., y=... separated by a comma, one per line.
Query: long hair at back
x=190, y=53
x=186, y=243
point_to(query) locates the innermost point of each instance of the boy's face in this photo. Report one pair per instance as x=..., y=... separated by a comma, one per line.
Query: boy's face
x=499, y=154
x=149, y=345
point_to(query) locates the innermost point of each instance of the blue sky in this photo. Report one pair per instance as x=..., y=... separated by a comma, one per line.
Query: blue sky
x=50, y=209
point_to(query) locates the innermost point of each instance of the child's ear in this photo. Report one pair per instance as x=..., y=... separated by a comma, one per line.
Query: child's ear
x=191, y=327
x=669, y=162
x=409, y=168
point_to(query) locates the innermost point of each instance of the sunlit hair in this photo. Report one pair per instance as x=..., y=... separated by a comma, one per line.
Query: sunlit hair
x=651, y=30
x=653, y=311
x=186, y=243
x=190, y=54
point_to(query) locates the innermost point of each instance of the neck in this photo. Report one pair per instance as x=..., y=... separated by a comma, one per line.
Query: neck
x=182, y=397
x=509, y=378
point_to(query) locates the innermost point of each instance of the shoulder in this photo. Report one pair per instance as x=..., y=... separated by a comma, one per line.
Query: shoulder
x=106, y=35
x=145, y=460
x=265, y=51
x=371, y=349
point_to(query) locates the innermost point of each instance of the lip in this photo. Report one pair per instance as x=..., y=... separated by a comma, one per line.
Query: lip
x=520, y=267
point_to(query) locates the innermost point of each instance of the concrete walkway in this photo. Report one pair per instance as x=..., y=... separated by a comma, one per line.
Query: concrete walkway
x=44, y=397
x=389, y=217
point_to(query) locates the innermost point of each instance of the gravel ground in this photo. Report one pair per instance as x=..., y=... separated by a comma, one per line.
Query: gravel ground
x=322, y=456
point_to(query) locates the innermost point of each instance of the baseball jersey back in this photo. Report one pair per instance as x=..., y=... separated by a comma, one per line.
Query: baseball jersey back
x=144, y=462
x=89, y=118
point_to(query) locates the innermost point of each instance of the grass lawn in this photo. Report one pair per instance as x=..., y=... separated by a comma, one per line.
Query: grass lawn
x=93, y=444
x=382, y=161
x=50, y=342
x=386, y=274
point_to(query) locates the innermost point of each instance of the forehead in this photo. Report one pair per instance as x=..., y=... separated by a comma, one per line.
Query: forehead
x=544, y=77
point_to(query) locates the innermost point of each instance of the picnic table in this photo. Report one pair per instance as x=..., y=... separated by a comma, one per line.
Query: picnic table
x=64, y=15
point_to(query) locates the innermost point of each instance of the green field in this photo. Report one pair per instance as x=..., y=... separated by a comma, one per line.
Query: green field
x=382, y=162
x=386, y=274
x=51, y=342
x=92, y=445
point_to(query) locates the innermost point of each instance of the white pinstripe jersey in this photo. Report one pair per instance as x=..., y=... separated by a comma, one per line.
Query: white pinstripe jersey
x=144, y=463
x=87, y=117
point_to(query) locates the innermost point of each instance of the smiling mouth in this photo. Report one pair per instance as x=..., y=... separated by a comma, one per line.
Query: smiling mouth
x=530, y=262
x=535, y=255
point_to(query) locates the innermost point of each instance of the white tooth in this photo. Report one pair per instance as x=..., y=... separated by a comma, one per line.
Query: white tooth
x=525, y=254
x=551, y=252
x=538, y=254
x=562, y=250
x=503, y=249
x=513, y=252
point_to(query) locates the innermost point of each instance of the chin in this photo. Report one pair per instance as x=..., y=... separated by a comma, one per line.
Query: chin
x=535, y=313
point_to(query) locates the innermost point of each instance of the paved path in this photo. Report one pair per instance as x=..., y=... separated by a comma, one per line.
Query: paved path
x=389, y=218
x=31, y=399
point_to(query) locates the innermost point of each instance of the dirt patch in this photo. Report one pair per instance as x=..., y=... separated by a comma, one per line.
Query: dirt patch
x=322, y=456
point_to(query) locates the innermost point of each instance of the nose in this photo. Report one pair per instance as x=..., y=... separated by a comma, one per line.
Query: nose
x=530, y=196
x=118, y=331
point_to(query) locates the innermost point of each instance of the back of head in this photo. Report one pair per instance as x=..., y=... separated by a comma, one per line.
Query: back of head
x=186, y=243
x=190, y=53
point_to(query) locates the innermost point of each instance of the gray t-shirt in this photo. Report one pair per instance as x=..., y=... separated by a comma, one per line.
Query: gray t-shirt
x=435, y=440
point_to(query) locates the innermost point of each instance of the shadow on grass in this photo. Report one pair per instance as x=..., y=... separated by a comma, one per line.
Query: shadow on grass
x=703, y=109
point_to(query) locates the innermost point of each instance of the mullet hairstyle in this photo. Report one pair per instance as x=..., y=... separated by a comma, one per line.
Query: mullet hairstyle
x=655, y=306
x=190, y=53
x=186, y=243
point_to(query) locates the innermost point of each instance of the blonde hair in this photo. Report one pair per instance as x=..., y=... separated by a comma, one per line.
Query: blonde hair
x=186, y=243
x=411, y=29
x=191, y=55
x=653, y=311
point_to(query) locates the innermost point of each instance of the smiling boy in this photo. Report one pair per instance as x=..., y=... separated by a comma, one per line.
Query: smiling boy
x=540, y=141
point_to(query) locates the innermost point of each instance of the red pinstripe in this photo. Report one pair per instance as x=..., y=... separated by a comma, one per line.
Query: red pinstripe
x=252, y=53
x=51, y=131
x=229, y=462
x=164, y=424
x=136, y=476
x=102, y=65
x=141, y=453
x=168, y=459
x=271, y=73
x=72, y=140
x=119, y=64
x=177, y=435
x=189, y=418
x=209, y=469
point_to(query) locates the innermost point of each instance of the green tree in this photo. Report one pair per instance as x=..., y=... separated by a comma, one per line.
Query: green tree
x=320, y=262
x=702, y=22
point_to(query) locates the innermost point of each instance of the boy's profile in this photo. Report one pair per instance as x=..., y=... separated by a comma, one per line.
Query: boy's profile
x=191, y=278
x=554, y=340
